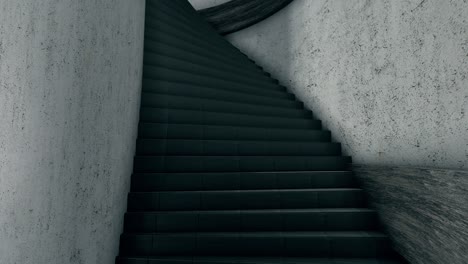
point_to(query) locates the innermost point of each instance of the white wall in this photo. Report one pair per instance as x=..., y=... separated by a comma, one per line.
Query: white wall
x=70, y=74
x=388, y=78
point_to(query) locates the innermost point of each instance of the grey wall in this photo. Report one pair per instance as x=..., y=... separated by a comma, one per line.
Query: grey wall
x=388, y=78
x=425, y=210
x=70, y=74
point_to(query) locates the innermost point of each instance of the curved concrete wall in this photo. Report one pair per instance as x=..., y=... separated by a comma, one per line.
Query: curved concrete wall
x=388, y=78
x=70, y=74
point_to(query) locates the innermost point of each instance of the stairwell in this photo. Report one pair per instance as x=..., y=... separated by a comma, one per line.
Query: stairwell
x=230, y=167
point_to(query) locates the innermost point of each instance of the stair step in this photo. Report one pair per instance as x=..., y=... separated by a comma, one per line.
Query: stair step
x=342, y=219
x=166, y=74
x=239, y=163
x=235, y=148
x=251, y=260
x=246, y=199
x=241, y=180
x=180, y=116
x=210, y=132
x=317, y=244
x=277, y=98
x=199, y=104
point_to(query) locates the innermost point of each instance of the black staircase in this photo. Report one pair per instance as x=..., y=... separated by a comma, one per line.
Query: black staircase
x=230, y=167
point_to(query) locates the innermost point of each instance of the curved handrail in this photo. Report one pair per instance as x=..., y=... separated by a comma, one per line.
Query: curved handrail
x=239, y=14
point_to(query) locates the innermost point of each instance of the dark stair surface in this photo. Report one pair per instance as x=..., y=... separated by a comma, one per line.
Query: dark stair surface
x=230, y=167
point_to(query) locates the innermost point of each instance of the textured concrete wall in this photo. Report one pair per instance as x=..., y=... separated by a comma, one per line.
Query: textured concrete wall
x=425, y=211
x=201, y=4
x=70, y=74
x=388, y=78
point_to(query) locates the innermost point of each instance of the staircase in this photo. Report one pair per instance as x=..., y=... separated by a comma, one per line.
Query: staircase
x=230, y=167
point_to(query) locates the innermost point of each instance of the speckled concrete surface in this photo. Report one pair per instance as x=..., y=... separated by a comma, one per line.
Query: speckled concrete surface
x=70, y=74
x=388, y=78
x=201, y=4
x=425, y=210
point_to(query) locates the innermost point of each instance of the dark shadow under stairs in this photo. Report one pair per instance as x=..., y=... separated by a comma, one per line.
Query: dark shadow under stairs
x=230, y=167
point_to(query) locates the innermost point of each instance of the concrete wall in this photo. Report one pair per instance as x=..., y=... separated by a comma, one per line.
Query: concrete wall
x=201, y=4
x=388, y=78
x=70, y=74
x=425, y=211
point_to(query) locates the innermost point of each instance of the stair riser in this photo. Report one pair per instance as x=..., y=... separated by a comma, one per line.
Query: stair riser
x=238, y=164
x=187, y=131
x=257, y=221
x=240, y=181
x=232, y=200
x=254, y=245
x=160, y=115
x=188, y=103
x=235, y=148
